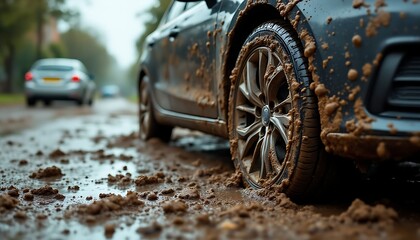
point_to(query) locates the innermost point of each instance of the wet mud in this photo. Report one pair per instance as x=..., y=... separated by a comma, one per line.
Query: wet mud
x=93, y=178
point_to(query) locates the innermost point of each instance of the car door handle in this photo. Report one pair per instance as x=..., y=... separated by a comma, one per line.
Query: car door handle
x=173, y=33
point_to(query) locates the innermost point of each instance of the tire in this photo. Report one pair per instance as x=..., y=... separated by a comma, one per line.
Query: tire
x=149, y=127
x=79, y=102
x=275, y=129
x=30, y=102
x=47, y=103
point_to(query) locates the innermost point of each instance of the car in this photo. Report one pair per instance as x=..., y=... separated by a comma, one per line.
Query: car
x=295, y=86
x=59, y=79
x=110, y=91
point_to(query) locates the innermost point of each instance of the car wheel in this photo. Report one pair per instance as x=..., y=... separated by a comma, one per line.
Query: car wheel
x=30, y=102
x=274, y=123
x=79, y=102
x=90, y=102
x=149, y=127
x=47, y=103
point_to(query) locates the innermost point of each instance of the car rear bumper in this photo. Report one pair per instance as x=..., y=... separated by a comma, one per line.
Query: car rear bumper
x=71, y=92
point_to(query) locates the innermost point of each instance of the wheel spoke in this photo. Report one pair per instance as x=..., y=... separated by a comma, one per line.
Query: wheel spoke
x=244, y=132
x=265, y=155
x=249, y=144
x=275, y=81
x=143, y=108
x=262, y=70
x=251, y=84
x=281, y=123
x=273, y=157
x=247, y=109
x=287, y=101
x=256, y=159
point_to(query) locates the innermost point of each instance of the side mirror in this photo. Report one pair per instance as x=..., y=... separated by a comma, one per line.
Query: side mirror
x=210, y=3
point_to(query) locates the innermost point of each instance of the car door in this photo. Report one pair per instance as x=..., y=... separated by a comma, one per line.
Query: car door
x=159, y=48
x=192, y=61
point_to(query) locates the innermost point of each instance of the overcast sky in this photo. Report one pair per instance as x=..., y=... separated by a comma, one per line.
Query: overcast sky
x=116, y=22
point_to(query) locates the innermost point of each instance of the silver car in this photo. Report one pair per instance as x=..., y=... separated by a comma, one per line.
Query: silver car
x=59, y=79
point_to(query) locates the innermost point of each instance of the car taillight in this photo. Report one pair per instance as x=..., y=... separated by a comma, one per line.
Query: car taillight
x=75, y=78
x=29, y=76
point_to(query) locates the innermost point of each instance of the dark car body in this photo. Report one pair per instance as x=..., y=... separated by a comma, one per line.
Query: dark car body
x=365, y=69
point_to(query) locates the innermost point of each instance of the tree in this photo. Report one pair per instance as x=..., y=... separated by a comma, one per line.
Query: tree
x=15, y=21
x=154, y=14
x=44, y=11
x=80, y=44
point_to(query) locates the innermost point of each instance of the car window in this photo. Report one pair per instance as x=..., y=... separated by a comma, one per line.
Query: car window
x=54, y=68
x=191, y=4
x=175, y=10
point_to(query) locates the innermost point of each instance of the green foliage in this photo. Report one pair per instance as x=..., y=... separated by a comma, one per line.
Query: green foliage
x=25, y=57
x=16, y=19
x=83, y=46
x=11, y=99
x=21, y=31
x=155, y=14
x=57, y=50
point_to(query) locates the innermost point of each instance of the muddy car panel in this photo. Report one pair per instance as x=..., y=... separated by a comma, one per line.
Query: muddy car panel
x=390, y=39
x=332, y=26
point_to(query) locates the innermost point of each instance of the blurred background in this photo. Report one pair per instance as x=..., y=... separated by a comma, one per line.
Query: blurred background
x=106, y=35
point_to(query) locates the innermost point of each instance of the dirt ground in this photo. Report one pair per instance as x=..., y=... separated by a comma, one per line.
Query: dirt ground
x=87, y=175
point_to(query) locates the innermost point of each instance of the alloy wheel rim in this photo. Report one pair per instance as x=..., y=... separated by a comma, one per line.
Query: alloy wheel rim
x=144, y=110
x=262, y=118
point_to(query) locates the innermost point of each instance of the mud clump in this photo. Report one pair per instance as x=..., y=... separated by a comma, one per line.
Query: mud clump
x=152, y=229
x=382, y=151
x=119, y=179
x=235, y=180
x=109, y=230
x=73, y=188
x=7, y=203
x=359, y=3
x=23, y=162
x=360, y=212
x=189, y=193
x=330, y=108
x=47, y=172
x=110, y=204
x=352, y=75
x=44, y=191
x=14, y=192
x=357, y=41
x=382, y=19
x=174, y=206
x=146, y=180
x=56, y=154
x=167, y=191
x=28, y=197
x=367, y=70
x=241, y=211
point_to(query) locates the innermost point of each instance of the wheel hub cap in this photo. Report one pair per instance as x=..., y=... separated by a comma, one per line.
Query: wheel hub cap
x=266, y=116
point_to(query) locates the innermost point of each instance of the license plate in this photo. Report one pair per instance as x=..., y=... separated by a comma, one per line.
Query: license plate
x=51, y=80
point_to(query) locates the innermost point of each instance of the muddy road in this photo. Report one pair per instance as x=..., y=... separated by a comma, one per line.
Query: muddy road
x=82, y=173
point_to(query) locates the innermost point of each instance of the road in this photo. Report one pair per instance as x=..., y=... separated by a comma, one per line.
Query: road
x=82, y=173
